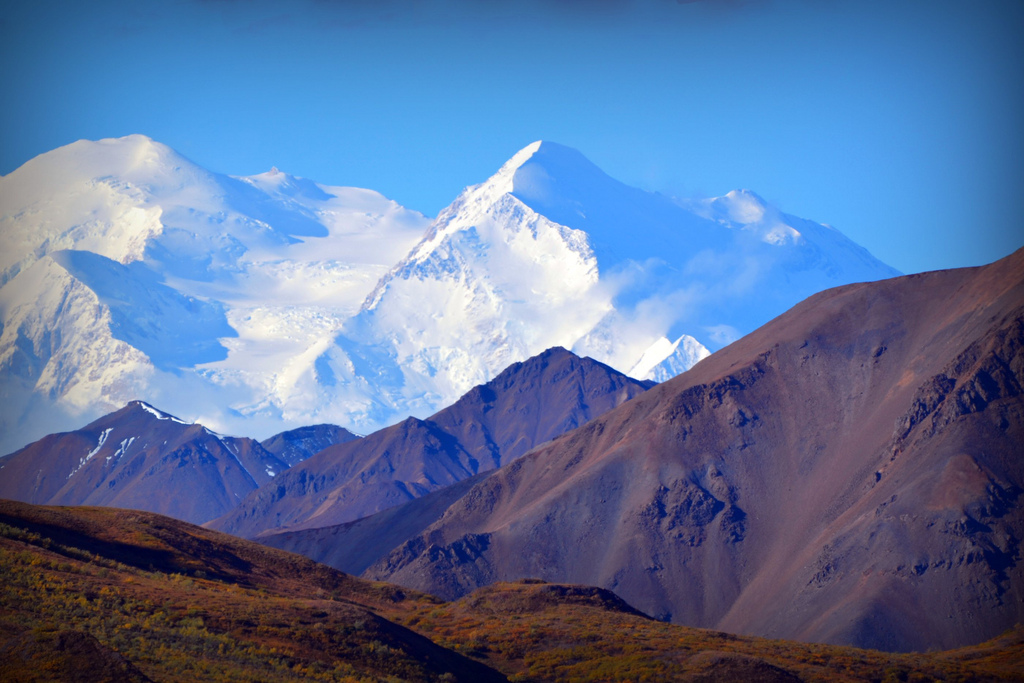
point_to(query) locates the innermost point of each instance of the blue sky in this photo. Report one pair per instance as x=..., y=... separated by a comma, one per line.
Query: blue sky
x=897, y=122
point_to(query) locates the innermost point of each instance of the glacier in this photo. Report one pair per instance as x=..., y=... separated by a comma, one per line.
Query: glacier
x=261, y=303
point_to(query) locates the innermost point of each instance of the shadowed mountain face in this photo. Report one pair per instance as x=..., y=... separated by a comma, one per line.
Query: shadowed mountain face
x=70, y=656
x=526, y=405
x=141, y=458
x=353, y=547
x=849, y=473
x=295, y=445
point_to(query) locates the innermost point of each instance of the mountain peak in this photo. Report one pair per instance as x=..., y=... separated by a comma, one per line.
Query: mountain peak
x=493, y=423
x=135, y=150
x=284, y=184
x=131, y=458
x=546, y=150
x=502, y=181
x=137, y=159
x=536, y=163
x=551, y=169
x=522, y=156
x=155, y=412
x=741, y=206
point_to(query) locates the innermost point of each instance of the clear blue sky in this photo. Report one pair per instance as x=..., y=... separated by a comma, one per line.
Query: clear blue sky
x=898, y=122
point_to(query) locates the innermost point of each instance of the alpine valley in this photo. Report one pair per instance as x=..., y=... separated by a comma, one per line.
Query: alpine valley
x=262, y=303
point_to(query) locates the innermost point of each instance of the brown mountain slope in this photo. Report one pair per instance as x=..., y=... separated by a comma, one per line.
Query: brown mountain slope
x=139, y=457
x=527, y=404
x=849, y=473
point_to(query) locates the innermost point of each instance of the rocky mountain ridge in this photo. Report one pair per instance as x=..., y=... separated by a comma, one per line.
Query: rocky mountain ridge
x=493, y=424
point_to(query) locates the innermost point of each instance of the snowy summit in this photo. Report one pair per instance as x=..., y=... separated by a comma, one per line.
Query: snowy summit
x=258, y=303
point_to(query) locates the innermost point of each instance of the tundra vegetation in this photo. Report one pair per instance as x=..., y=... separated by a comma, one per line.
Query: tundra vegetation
x=137, y=596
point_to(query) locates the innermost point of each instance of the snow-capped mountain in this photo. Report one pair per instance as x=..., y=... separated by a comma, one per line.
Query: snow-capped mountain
x=552, y=251
x=261, y=303
x=128, y=271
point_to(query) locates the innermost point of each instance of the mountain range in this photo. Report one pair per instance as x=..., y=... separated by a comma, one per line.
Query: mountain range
x=849, y=473
x=140, y=457
x=493, y=424
x=262, y=303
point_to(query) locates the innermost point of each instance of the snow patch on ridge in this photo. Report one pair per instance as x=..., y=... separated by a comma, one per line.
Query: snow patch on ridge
x=88, y=456
x=161, y=415
x=122, y=449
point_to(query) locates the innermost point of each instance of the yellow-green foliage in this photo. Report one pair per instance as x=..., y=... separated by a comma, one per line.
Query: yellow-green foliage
x=176, y=627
